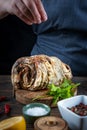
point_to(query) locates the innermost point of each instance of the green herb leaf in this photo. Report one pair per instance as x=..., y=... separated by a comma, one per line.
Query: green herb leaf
x=65, y=90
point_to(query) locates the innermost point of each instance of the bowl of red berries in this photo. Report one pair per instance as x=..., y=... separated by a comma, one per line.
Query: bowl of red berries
x=74, y=111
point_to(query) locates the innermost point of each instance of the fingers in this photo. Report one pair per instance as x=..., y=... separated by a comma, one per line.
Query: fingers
x=25, y=19
x=41, y=10
x=24, y=13
x=37, y=10
x=35, y=13
x=29, y=11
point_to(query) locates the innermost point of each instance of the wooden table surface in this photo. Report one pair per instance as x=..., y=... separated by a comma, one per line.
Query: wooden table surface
x=6, y=89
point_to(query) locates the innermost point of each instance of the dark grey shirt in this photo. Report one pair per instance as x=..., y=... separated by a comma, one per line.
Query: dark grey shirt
x=64, y=34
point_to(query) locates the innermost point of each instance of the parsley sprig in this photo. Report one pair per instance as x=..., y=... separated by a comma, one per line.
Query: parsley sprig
x=63, y=91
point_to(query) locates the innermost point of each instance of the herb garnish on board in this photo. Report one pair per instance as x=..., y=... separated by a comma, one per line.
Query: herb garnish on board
x=64, y=90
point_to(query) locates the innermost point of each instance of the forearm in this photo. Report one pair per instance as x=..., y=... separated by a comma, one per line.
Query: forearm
x=3, y=12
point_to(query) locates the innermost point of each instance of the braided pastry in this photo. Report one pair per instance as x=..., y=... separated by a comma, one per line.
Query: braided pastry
x=36, y=72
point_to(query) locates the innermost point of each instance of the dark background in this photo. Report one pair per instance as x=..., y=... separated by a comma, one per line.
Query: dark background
x=16, y=40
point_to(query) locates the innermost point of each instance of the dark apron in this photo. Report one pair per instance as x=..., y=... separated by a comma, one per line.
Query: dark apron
x=64, y=34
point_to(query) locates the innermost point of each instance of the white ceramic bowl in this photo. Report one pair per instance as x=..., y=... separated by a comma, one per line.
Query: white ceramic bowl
x=75, y=122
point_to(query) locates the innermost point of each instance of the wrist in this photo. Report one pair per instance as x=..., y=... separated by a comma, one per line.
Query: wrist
x=3, y=12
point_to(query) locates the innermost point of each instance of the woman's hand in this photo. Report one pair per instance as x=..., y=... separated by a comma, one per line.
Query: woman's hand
x=29, y=11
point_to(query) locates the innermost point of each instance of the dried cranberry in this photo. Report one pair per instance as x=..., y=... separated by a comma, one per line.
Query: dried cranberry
x=80, y=109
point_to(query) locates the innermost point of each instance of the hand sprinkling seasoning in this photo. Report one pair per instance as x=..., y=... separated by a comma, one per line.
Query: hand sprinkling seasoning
x=80, y=109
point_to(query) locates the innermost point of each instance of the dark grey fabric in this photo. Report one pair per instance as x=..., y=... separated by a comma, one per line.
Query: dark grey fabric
x=64, y=34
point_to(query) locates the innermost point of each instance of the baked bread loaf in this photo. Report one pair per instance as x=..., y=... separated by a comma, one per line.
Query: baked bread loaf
x=36, y=72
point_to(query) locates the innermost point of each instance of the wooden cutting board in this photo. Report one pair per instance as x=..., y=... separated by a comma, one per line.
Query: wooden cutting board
x=26, y=97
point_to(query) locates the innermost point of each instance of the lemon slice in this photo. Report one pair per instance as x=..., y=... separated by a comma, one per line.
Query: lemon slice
x=13, y=123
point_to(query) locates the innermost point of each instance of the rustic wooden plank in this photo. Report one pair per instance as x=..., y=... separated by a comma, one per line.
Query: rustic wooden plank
x=6, y=89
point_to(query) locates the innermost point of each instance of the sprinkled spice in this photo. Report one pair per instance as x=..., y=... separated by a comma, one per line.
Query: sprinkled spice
x=36, y=111
x=7, y=108
x=80, y=109
x=4, y=109
x=2, y=98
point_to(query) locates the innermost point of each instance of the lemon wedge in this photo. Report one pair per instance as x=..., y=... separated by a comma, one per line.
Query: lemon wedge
x=13, y=123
